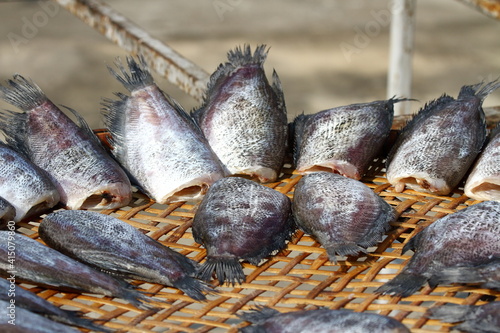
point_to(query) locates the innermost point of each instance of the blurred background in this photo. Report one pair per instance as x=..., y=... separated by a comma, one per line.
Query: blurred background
x=319, y=48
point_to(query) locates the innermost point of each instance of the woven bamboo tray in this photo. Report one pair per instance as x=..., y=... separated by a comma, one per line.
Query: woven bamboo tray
x=300, y=277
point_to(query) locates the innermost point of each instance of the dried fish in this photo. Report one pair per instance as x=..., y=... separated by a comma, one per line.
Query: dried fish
x=437, y=147
x=267, y=320
x=159, y=145
x=483, y=182
x=109, y=244
x=469, y=237
x=344, y=139
x=472, y=318
x=40, y=264
x=28, y=188
x=343, y=214
x=244, y=117
x=240, y=219
x=84, y=174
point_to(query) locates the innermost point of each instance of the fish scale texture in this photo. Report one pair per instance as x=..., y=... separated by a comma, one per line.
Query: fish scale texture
x=344, y=139
x=240, y=219
x=469, y=237
x=437, y=147
x=107, y=243
x=28, y=188
x=157, y=142
x=84, y=174
x=483, y=182
x=244, y=117
x=345, y=215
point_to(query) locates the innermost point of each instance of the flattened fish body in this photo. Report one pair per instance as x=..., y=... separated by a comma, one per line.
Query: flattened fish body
x=7, y=213
x=469, y=237
x=344, y=139
x=156, y=141
x=483, y=182
x=40, y=264
x=240, y=219
x=437, y=147
x=29, y=322
x=319, y=321
x=244, y=117
x=27, y=300
x=28, y=188
x=343, y=214
x=470, y=318
x=109, y=244
x=84, y=174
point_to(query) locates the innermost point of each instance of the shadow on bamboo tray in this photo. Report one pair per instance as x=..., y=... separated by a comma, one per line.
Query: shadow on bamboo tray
x=300, y=277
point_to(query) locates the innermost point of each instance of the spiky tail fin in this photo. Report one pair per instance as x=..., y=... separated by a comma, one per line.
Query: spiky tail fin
x=227, y=270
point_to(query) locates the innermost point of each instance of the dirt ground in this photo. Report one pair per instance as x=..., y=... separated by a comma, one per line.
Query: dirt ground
x=454, y=45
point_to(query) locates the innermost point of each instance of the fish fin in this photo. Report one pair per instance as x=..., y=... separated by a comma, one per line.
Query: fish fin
x=71, y=318
x=12, y=126
x=193, y=288
x=114, y=118
x=457, y=274
x=428, y=109
x=243, y=56
x=480, y=90
x=345, y=249
x=82, y=123
x=259, y=314
x=226, y=270
x=22, y=93
x=411, y=245
x=448, y=313
x=297, y=132
x=278, y=90
x=139, y=76
x=404, y=284
x=236, y=58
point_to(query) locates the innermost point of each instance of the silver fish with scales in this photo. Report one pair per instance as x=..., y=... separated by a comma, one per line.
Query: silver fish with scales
x=244, y=117
x=158, y=144
x=85, y=175
x=437, y=147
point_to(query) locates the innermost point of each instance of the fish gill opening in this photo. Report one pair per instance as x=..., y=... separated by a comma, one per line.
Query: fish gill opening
x=488, y=188
x=98, y=200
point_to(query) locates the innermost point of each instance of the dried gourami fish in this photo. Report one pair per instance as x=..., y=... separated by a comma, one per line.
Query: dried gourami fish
x=156, y=141
x=483, y=182
x=267, y=320
x=487, y=275
x=25, y=321
x=437, y=147
x=343, y=214
x=240, y=219
x=30, y=301
x=28, y=188
x=109, y=244
x=84, y=174
x=40, y=264
x=7, y=213
x=469, y=237
x=471, y=318
x=344, y=139
x=244, y=117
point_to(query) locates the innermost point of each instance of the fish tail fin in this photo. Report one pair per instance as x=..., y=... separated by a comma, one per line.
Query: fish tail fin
x=448, y=313
x=22, y=93
x=346, y=249
x=243, y=56
x=226, y=270
x=137, y=298
x=193, y=288
x=404, y=284
x=255, y=316
x=139, y=76
x=480, y=90
x=457, y=275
